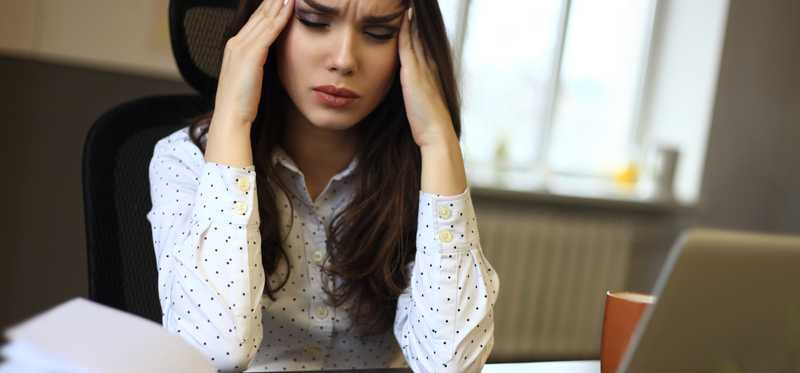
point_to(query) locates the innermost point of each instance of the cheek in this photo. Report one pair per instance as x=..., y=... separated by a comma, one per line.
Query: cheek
x=382, y=68
x=292, y=57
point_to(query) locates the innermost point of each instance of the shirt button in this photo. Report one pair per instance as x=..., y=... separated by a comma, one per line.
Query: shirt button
x=444, y=212
x=445, y=235
x=239, y=207
x=322, y=312
x=243, y=184
x=318, y=256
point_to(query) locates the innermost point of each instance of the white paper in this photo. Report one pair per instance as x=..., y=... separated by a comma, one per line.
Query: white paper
x=25, y=357
x=84, y=336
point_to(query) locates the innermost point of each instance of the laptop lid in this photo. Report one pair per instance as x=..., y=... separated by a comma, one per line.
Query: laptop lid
x=727, y=302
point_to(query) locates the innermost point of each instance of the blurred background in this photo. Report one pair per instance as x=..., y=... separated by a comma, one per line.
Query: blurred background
x=594, y=133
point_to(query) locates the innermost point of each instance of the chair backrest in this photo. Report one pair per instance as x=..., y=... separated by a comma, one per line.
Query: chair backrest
x=116, y=156
x=198, y=31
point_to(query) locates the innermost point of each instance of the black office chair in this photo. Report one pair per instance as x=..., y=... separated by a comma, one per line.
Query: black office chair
x=117, y=152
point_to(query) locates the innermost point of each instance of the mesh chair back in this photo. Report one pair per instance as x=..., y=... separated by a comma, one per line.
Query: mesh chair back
x=116, y=156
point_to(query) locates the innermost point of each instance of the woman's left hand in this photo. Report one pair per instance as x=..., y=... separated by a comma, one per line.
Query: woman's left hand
x=426, y=109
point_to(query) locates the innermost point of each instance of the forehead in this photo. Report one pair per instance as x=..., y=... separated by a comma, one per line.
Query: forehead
x=360, y=7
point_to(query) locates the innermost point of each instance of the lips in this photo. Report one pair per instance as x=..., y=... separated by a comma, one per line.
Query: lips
x=335, y=97
x=337, y=91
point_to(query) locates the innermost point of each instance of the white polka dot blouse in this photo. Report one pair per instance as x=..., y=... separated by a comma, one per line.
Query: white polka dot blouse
x=205, y=221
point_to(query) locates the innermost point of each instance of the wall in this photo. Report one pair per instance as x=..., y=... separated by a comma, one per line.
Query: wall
x=116, y=35
x=47, y=110
x=751, y=174
x=680, y=90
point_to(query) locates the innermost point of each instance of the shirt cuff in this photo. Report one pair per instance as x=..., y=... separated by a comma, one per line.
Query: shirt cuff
x=446, y=223
x=227, y=194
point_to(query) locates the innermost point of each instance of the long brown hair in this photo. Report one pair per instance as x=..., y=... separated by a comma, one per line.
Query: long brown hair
x=370, y=241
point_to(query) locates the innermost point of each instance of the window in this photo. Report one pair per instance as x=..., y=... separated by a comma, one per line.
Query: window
x=551, y=86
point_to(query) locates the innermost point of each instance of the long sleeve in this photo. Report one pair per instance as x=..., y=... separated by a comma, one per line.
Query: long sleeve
x=204, y=221
x=444, y=320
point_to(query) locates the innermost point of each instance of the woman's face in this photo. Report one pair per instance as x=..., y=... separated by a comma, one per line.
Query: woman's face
x=344, y=44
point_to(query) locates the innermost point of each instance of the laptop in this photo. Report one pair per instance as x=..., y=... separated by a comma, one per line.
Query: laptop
x=727, y=302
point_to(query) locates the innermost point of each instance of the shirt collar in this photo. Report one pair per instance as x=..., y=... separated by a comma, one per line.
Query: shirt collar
x=279, y=155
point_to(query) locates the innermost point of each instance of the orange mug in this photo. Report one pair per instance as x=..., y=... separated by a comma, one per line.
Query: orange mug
x=622, y=313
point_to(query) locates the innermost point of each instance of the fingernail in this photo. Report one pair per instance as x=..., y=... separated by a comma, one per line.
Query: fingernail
x=410, y=13
x=285, y=2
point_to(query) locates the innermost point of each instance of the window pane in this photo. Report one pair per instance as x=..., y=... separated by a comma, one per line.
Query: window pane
x=602, y=63
x=509, y=50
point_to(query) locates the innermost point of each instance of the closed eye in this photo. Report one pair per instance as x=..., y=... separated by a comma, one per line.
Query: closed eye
x=384, y=36
x=380, y=37
x=311, y=24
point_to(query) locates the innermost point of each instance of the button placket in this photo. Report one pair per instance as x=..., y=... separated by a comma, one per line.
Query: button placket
x=313, y=350
x=315, y=250
x=315, y=231
x=321, y=312
x=322, y=316
x=318, y=256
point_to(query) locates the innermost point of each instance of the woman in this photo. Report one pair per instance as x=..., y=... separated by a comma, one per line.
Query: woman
x=369, y=254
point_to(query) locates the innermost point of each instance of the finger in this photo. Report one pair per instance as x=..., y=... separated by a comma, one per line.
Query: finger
x=264, y=13
x=274, y=8
x=254, y=19
x=416, y=41
x=265, y=32
x=404, y=41
x=286, y=9
x=424, y=57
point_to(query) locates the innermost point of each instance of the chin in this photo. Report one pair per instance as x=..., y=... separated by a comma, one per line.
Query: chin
x=333, y=121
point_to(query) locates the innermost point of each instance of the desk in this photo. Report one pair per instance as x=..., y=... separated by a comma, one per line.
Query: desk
x=587, y=366
x=583, y=366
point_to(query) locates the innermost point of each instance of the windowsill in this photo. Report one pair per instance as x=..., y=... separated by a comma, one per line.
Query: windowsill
x=570, y=190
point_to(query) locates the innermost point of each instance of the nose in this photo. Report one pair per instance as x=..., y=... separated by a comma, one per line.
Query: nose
x=343, y=59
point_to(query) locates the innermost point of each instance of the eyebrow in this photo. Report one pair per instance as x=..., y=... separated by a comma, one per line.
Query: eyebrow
x=367, y=19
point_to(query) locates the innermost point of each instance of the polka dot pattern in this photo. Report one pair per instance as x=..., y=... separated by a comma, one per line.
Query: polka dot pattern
x=205, y=223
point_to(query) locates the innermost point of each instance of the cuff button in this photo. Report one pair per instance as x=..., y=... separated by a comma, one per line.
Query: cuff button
x=444, y=212
x=243, y=184
x=239, y=207
x=445, y=236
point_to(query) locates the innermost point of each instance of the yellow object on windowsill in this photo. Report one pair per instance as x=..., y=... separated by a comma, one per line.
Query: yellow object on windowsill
x=627, y=176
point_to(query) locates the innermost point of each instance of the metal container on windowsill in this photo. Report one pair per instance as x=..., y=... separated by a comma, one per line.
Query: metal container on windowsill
x=666, y=164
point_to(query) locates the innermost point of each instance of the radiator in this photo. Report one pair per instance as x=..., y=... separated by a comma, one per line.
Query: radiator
x=554, y=271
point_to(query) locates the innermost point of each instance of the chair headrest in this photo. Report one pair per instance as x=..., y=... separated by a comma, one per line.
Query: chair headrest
x=199, y=30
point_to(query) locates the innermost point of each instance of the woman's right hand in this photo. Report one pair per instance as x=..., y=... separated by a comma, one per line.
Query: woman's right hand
x=242, y=70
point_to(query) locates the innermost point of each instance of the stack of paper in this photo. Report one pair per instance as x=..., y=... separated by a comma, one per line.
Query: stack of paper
x=83, y=336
